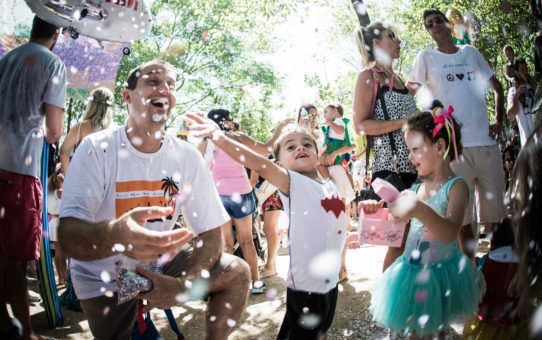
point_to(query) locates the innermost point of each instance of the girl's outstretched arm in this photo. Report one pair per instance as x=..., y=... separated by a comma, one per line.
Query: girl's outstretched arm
x=445, y=228
x=276, y=175
x=264, y=149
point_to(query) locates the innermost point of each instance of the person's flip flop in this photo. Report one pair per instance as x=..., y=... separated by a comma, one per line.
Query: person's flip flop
x=267, y=273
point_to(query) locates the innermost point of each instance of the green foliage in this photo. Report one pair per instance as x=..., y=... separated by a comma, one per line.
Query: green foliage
x=217, y=48
x=498, y=28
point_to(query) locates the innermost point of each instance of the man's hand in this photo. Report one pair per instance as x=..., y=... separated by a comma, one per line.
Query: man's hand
x=164, y=293
x=285, y=122
x=203, y=127
x=140, y=243
x=495, y=130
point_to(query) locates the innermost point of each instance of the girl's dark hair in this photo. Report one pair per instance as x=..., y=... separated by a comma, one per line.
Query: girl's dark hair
x=502, y=235
x=338, y=108
x=219, y=116
x=424, y=123
x=525, y=194
x=519, y=61
x=52, y=183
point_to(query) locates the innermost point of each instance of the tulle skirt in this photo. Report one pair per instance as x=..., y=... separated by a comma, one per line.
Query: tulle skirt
x=425, y=298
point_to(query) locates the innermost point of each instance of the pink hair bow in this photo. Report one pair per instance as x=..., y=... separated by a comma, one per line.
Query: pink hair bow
x=445, y=119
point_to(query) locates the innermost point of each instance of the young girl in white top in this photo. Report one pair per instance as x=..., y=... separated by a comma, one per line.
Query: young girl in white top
x=54, y=194
x=335, y=137
x=317, y=229
x=432, y=283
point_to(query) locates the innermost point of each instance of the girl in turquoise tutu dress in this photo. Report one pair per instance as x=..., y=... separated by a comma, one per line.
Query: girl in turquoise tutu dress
x=432, y=283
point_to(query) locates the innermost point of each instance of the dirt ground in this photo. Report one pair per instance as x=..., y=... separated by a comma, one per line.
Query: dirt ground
x=263, y=314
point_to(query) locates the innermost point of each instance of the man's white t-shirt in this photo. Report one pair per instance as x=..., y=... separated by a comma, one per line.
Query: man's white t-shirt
x=108, y=177
x=460, y=80
x=317, y=233
x=524, y=116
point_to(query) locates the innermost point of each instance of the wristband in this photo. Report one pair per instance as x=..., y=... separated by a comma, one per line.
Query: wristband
x=180, y=281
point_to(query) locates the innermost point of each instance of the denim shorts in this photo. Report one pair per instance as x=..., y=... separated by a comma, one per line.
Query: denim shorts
x=239, y=206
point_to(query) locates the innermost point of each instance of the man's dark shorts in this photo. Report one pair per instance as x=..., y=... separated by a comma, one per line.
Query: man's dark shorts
x=21, y=201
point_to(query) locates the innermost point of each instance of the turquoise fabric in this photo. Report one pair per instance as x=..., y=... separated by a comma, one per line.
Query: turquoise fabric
x=431, y=284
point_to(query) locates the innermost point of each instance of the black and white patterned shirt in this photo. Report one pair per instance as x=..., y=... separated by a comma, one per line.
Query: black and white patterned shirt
x=400, y=104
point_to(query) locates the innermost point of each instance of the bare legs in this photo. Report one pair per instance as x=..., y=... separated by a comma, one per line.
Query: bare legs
x=394, y=252
x=243, y=228
x=60, y=264
x=343, y=275
x=467, y=241
x=13, y=289
x=227, y=232
x=271, y=219
x=230, y=288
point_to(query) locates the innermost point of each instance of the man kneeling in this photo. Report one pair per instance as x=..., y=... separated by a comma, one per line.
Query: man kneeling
x=115, y=203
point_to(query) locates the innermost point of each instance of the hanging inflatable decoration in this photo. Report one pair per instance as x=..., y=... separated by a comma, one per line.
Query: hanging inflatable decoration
x=474, y=26
x=91, y=63
x=361, y=12
x=123, y=21
x=460, y=29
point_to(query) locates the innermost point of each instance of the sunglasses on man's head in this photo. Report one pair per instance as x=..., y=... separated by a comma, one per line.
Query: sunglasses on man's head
x=393, y=36
x=436, y=20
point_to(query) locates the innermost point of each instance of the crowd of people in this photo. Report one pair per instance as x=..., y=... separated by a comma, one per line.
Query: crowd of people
x=118, y=192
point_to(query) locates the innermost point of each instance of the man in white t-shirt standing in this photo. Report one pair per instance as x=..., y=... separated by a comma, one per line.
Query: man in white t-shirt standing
x=457, y=76
x=129, y=177
x=521, y=100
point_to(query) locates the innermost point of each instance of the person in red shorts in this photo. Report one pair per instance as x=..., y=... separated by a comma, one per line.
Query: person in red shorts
x=32, y=90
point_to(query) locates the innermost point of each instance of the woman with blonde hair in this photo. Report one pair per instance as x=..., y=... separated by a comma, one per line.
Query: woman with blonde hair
x=97, y=117
x=382, y=105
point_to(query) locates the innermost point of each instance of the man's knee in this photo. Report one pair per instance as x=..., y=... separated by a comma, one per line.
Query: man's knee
x=245, y=240
x=239, y=272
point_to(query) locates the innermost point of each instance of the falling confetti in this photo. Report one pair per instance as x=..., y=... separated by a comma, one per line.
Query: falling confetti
x=106, y=277
x=309, y=320
x=422, y=320
x=536, y=322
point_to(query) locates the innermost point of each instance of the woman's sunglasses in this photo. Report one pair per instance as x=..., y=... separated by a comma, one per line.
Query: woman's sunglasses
x=393, y=36
x=436, y=20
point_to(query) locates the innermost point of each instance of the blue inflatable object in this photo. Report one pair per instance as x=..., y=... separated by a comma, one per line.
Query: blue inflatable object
x=44, y=265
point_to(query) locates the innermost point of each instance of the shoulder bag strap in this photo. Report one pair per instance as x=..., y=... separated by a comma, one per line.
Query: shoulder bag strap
x=376, y=86
x=173, y=324
x=392, y=140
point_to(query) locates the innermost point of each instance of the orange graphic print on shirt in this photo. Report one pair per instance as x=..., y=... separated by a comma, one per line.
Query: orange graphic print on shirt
x=133, y=194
